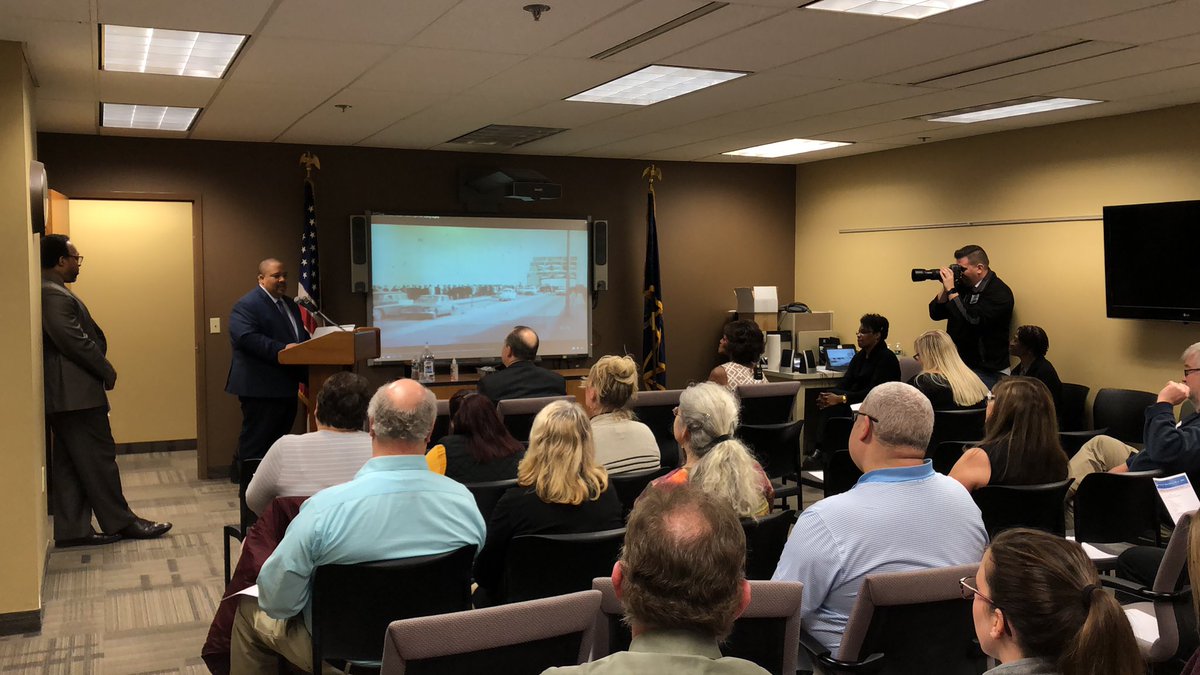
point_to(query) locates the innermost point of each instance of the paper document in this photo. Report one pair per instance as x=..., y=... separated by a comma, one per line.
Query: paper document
x=1094, y=554
x=252, y=591
x=326, y=330
x=1177, y=495
x=1143, y=623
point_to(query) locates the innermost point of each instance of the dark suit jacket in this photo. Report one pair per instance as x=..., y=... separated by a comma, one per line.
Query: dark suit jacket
x=523, y=379
x=258, y=333
x=77, y=373
x=978, y=322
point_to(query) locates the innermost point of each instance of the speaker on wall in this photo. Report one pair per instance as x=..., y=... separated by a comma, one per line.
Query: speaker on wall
x=359, y=269
x=600, y=255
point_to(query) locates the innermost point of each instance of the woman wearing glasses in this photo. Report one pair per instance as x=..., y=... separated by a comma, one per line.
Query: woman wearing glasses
x=1039, y=610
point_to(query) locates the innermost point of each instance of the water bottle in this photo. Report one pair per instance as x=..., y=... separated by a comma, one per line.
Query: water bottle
x=427, y=364
x=454, y=370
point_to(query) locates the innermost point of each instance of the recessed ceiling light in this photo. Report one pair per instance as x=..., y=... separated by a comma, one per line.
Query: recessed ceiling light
x=161, y=117
x=903, y=9
x=655, y=83
x=995, y=111
x=793, y=146
x=168, y=52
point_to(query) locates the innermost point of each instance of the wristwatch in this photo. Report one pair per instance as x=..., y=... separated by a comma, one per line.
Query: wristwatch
x=845, y=400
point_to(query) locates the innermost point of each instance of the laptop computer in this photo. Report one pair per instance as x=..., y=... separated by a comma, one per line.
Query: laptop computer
x=839, y=358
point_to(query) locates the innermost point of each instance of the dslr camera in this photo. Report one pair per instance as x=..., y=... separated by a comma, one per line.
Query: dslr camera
x=919, y=274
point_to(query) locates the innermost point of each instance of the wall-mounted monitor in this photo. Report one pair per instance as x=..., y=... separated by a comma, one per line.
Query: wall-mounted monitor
x=460, y=284
x=1150, y=261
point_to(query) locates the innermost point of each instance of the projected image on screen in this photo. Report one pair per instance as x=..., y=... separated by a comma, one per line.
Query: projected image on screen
x=461, y=283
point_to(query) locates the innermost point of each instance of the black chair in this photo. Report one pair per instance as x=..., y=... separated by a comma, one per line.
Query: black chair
x=1122, y=412
x=629, y=486
x=441, y=423
x=518, y=413
x=1118, y=508
x=956, y=425
x=352, y=605
x=840, y=474
x=1036, y=506
x=655, y=409
x=777, y=448
x=947, y=454
x=246, y=517
x=1072, y=441
x=1073, y=416
x=769, y=403
x=487, y=495
x=836, y=434
x=542, y=565
x=765, y=539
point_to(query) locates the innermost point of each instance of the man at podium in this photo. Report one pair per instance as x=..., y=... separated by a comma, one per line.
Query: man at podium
x=263, y=323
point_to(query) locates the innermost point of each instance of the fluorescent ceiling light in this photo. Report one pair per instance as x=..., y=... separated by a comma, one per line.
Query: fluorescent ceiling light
x=995, y=111
x=168, y=52
x=793, y=146
x=161, y=117
x=903, y=9
x=655, y=83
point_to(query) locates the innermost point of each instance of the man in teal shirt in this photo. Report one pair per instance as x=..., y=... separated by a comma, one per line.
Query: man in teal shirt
x=394, y=508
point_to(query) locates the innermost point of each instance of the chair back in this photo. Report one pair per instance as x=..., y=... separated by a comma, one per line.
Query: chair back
x=766, y=633
x=352, y=605
x=1166, y=582
x=836, y=434
x=523, y=638
x=909, y=368
x=1036, y=506
x=542, y=565
x=776, y=446
x=246, y=517
x=487, y=495
x=1073, y=416
x=654, y=409
x=769, y=403
x=957, y=425
x=518, y=413
x=840, y=474
x=1123, y=412
x=1118, y=507
x=629, y=486
x=765, y=539
x=917, y=620
x=947, y=454
x=441, y=423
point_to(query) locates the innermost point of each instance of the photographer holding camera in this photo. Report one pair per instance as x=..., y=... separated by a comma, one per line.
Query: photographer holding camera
x=978, y=307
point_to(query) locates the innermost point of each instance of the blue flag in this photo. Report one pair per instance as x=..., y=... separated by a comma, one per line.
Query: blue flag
x=310, y=260
x=654, y=346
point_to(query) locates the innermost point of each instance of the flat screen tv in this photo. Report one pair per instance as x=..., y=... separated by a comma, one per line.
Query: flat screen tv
x=460, y=284
x=1150, y=261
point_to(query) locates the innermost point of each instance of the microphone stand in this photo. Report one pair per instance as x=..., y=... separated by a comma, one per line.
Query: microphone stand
x=311, y=306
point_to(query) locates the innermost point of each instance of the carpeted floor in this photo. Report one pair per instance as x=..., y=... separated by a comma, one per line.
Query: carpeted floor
x=136, y=606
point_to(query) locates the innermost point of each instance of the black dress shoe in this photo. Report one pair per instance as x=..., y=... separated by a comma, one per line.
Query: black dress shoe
x=93, y=539
x=141, y=528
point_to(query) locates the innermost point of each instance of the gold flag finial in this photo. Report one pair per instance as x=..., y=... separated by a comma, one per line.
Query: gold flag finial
x=652, y=173
x=310, y=161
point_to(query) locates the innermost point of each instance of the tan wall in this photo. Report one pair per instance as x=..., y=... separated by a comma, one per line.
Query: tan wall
x=1055, y=270
x=22, y=462
x=137, y=282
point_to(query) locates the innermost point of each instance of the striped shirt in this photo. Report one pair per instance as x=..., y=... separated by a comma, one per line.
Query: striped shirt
x=893, y=520
x=303, y=465
x=624, y=445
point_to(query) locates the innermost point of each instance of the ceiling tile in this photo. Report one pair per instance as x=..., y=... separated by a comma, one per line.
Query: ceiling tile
x=1148, y=84
x=324, y=66
x=1075, y=52
x=67, y=117
x=542, y=78
x=1126, y=63
x=226, y=117
x=491, y=26
x=625, y=24
x=60, y=10
x=1189, y=42
x=443, y=121
x=218, y=16
x=390, y=22
x=1021, y=49
x=567, y=114
x=371, y=112
x=61, y=55
x=193, y=92
x=435, y=70
x=1172, y=19
x=1037, y=16
x=664, y=48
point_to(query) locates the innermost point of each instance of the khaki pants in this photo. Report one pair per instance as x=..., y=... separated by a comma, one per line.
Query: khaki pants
x=1102, y=453
x=259, y=641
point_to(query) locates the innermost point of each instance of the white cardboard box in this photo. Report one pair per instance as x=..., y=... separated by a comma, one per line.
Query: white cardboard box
x=757, y=299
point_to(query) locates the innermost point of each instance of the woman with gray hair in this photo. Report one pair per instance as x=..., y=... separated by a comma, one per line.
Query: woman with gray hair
x=714, y=460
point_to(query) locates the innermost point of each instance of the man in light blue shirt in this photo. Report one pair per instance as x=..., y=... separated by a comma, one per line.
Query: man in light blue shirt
x=899, y=516
x=394, y=508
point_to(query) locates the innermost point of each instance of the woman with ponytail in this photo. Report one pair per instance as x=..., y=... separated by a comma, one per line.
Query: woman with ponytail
x=1039, y=610
x=719, y=464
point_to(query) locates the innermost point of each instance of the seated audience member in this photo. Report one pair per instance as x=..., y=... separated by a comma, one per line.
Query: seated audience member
x=900, y=516
x=304, y=464
x=394, y=508
x=714, y=461
x=742, y=343
x=1039, y=609
x=1030, y=344
x=479, y=448
x=944, y=379
x=681, y=584
x=521, y=377
x=560, y=490
x=623, y=444
x=1020, y=444
x=1170, y=447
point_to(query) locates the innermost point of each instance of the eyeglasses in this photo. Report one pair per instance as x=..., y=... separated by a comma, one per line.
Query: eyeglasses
x=967, y=587
x=990, y=397
x=78, y=258
x=1189, y=371
x=855, y=414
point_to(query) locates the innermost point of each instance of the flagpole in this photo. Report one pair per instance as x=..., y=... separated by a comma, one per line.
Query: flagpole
x=654, y=357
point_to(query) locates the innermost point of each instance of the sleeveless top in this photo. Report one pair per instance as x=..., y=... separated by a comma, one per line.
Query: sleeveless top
x=737, y=375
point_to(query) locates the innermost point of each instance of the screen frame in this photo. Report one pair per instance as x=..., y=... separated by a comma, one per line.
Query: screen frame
x=1115, y=261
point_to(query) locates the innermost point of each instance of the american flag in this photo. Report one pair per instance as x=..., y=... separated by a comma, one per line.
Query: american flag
x=310, y=279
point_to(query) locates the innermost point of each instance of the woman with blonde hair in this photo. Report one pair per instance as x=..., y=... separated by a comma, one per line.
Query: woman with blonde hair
x=944, y=379
x=623, y=444
x=560, y=490
x=719, y=464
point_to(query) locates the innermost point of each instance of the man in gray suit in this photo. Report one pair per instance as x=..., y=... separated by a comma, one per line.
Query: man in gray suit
x=77, y=375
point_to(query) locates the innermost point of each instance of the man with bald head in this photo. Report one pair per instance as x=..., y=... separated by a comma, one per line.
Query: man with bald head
x=394, y=508
x=900, y=516
x=521, y=377
x=262, y=324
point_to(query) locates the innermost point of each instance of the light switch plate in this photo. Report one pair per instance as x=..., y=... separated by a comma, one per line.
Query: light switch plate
x=214, y=325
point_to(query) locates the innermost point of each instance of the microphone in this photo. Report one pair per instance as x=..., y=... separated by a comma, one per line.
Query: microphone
x=307, y=303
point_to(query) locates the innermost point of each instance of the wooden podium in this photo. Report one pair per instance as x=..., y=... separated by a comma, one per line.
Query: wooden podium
x=326, y=355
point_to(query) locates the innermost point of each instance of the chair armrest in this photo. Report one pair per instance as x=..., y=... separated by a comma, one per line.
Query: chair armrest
x=1085, y=435
x=821, y=657
x=1139, y=591
x=235, y=532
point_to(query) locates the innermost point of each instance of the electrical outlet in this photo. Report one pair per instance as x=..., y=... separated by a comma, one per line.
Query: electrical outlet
x=214, y=325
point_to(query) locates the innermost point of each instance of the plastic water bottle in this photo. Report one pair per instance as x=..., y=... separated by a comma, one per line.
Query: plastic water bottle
x=427, y=364
x=454, y=370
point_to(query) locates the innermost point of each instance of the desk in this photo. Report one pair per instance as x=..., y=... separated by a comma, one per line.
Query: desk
x=443, y=388
x=811, y=384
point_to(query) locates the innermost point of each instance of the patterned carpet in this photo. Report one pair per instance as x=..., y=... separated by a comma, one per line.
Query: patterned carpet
x=136, y=606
